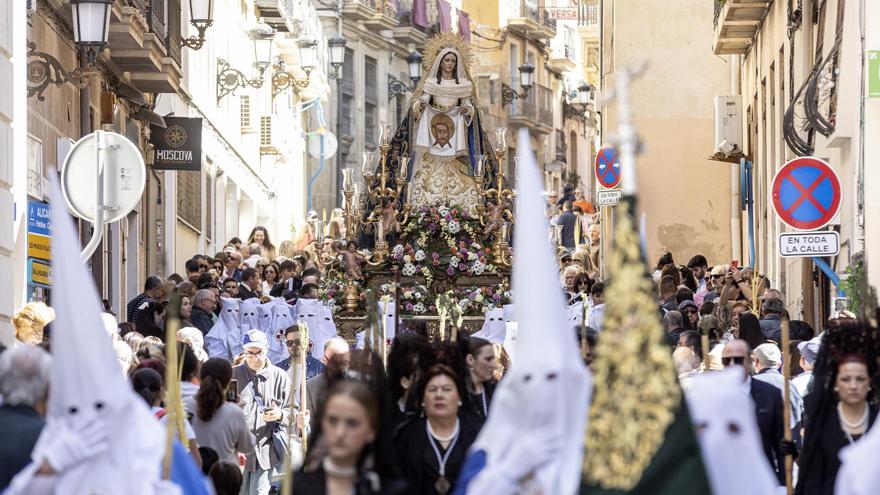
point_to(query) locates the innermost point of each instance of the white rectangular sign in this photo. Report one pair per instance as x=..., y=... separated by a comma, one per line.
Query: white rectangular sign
x=808, y=244
x=608, y=197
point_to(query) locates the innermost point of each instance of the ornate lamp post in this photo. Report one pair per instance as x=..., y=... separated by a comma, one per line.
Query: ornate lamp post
x=526, y=81
x=201, y=14
x=229, y=79
x=91, y=25
x=308, y=59
x=398, y=87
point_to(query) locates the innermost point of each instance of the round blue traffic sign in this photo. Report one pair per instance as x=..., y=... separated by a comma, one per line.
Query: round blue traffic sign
x=607, y=167
x=806, y=193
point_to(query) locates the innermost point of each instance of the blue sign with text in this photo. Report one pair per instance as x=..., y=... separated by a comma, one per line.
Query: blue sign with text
x=39, y=218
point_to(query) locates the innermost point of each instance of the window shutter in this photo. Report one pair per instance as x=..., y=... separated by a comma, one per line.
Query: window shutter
x=245, y=102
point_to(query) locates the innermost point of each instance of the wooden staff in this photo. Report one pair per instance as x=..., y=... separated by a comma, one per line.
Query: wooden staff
x=173, y=404
x=584, y=332
x=381, y=347
x=287, y=481
x=786, y=411
x=704, y=342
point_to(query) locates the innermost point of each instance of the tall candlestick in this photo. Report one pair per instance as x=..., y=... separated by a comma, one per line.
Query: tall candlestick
x=346, y=178
x=367, y=166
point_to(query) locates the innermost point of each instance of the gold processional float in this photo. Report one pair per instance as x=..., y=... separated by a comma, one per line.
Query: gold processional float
x=429, y=224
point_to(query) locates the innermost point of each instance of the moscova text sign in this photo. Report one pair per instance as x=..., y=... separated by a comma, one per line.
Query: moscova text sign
x=179, y=145
x=174, y=155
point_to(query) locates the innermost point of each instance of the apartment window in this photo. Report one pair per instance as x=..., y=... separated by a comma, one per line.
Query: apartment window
x=371, y=98
x=266, y=131
x=209, y=203
x=245, y=107
x=347, y=93
x=189, y=198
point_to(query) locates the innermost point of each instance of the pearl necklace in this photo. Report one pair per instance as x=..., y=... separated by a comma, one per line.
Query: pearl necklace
x=852, y=426
x=443, y=439
x=337, y=471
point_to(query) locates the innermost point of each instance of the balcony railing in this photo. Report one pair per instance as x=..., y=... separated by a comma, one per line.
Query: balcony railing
x=588, y=13
x=546, y=20
x=525, y=9
x=405, y=16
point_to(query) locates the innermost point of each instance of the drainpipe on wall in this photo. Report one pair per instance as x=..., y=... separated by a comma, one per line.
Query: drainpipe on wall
x=735, y=205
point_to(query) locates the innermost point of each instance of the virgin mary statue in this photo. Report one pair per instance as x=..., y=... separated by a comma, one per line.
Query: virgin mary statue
x=443, y=131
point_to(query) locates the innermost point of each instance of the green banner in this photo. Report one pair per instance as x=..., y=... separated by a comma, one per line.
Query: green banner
x=873, y=73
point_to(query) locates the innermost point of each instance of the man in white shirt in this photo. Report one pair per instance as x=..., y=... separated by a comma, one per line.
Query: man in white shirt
x=809, y=350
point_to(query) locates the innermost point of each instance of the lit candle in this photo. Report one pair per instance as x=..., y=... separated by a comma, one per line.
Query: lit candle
x=346, y=178
x=404, y=166
x=384, y=133
x=367, y=166
x=481, y=165
x=500, y=139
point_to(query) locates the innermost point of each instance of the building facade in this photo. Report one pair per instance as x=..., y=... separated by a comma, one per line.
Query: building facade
x=685, y=197
x=802, y=77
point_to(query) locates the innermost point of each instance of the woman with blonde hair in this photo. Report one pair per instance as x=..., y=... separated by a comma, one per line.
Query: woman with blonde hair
x=286, y=250
x=30, y=320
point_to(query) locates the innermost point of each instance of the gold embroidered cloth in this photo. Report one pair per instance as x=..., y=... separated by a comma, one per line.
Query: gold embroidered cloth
x=443, y=181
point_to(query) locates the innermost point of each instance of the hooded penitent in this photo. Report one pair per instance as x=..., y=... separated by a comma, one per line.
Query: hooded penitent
x=387, y=312
x=494, y=328
x=281, y=321
x=544, y=397
x=87, y=386
x=248, y=315
x=727, y=430
x=314, y=314
x=224, y=339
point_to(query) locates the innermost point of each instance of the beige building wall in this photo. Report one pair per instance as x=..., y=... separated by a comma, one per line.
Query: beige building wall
x=685, y=196
x=773, y=71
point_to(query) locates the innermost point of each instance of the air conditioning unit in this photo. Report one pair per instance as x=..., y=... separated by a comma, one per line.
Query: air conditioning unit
x=728, y=125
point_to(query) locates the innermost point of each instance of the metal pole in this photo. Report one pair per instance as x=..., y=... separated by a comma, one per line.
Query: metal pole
x=786, y=411
x=98, y=223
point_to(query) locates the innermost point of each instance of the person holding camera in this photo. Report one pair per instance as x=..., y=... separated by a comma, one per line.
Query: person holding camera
x=265, y=400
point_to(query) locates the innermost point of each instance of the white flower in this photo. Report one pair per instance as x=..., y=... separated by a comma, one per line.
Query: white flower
x=409, y=270
x=407, y=259
x=472, y=256
x=397, y=251
x=453, y=227
x=476, y=246
x=442, y=210
x=407, y=294
x=478, y=299
x=420, y=255
x=453, y=262
x=478, y=267
x=464, y=303
x=418, y=308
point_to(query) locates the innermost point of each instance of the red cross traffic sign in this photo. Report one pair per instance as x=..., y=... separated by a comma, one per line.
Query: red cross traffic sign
x=607, y=167
x=806, y=193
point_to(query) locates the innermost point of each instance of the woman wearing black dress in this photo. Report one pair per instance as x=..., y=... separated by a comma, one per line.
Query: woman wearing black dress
x=432, y=449
x=342, y=460
x=481, y=363
x=841, y=404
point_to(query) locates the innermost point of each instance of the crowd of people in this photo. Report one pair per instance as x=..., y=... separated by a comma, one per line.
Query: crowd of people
x=356, y=421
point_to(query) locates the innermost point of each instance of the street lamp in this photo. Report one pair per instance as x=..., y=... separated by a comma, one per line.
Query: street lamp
x=396, y=86
x=336, y=45
x=91, y=25
x=201, y=16
x=308, y=60
x=263, y=36
x=526, y=81
x=584, y=91
x=526, y=75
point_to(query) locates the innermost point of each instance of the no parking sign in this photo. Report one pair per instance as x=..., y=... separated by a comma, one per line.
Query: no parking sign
x=806, y=195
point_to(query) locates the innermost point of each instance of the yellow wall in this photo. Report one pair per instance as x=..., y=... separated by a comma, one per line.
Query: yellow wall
x=685, y=196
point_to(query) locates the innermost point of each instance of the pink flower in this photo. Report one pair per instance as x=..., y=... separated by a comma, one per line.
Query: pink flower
x=450, y=271
x=435, y=256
